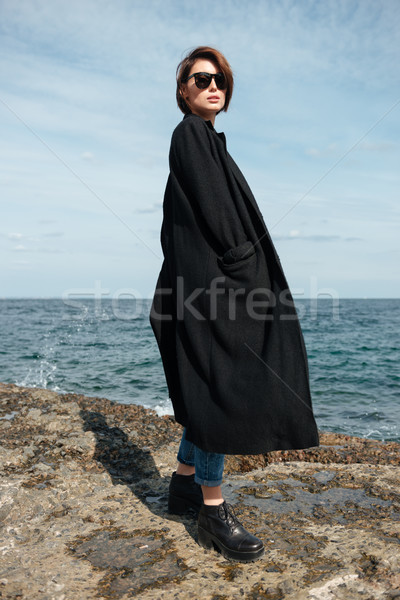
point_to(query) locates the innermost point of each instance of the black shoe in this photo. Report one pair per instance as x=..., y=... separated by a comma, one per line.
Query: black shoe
x=184, y=495
x=218, y=527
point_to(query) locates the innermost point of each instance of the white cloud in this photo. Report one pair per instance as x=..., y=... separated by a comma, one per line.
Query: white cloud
x=315, y=238
x=329, y=151
x=21, y=263
x=89, y=156
x=378, y=146
x=157, y=206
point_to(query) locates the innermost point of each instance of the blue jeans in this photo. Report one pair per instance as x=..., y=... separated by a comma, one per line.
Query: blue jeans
x=209, y=466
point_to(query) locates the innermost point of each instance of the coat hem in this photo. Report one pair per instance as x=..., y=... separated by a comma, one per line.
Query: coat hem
x=312, y=442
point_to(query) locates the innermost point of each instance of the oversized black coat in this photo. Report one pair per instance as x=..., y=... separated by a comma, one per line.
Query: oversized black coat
x=223, y=316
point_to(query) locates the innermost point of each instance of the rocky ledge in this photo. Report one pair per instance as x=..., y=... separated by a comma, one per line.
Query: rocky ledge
x=83, y=511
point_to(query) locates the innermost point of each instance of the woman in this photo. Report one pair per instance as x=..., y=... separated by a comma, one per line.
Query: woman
x=223, y=316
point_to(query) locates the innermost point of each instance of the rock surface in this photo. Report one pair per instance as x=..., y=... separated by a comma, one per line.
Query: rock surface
x=83, y=511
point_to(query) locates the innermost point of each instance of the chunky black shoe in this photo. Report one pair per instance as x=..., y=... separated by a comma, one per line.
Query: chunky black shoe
x=219, y=528
x=185, y=495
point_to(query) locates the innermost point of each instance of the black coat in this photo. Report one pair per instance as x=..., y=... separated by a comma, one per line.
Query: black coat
x=223, y=316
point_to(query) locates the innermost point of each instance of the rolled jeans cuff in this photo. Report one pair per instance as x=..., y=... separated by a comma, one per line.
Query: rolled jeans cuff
x=207, y=482
x=209, y=466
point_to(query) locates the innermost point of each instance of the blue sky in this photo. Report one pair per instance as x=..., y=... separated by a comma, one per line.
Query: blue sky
x=87, y=109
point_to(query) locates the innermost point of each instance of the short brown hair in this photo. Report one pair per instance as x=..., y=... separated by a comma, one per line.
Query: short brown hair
x=183, y=70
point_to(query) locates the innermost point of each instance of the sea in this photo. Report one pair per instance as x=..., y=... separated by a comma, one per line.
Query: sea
x=104, y=348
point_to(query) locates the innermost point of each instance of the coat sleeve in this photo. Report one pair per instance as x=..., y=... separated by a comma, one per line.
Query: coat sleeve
x=200, y=172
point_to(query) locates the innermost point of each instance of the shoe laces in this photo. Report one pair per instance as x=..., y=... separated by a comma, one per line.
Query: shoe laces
x=227, y=513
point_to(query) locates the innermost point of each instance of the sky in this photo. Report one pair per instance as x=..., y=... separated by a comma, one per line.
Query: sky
x=87, y=109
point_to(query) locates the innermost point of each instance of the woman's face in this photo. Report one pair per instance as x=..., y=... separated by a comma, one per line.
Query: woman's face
x=204, y=103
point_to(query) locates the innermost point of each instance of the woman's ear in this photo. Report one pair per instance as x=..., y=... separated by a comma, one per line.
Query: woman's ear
x=183, y=93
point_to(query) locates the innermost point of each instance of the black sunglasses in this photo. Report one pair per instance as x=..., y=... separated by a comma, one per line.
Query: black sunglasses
x=203, y=80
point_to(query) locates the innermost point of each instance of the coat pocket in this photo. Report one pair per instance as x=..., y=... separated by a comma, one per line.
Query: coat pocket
x=237, y=256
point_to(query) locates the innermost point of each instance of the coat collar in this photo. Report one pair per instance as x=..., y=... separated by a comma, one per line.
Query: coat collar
x=193, y=116
x=221, y=135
